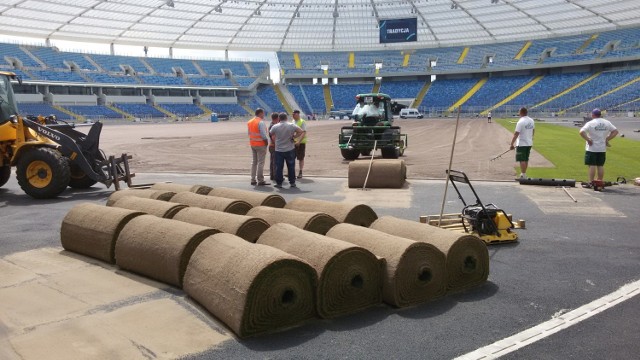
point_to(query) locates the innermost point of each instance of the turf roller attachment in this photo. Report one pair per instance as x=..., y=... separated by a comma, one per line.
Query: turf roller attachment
x=384, y=174
x=352, y=213
x=252, y=288
x=176, y=188
x=255, y=198
x=318, y=223
x=467, y=255
x=141, y=193
x=415, y=271
x=232, y=206
x=247, y=227
x=350, y=277
x=92, y=230
x=163, y=209
x=159, y=248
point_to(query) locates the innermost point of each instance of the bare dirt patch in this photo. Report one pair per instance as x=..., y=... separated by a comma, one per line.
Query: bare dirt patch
x=223, y=148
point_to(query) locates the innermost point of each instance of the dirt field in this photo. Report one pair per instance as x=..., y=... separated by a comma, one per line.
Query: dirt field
x=223, y=148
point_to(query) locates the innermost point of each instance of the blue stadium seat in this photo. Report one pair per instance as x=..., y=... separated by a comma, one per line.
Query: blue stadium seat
x=36, y=109
x=97, y=111
x=183, y=109
x=445, y=92
x=227, y=109
x=140, y=110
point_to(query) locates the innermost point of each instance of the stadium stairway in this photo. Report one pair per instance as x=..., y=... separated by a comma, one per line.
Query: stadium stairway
x=249, y=70
x=244, y=106
x=352, y=60
x=201, y=72
x=421, y=94
x=296, y=60
x=626, y=103
x=514, y=95
x=463, y=55
x=328, y=101
x=289, y=98
x=602, y=95
x=35, y=58
x=148, y=66
x=306, y=99
x=164, y=111
x=208, y=111
x=586, y=44
x=524, y=49
x=469, y=93
x=123, y=113
x=94, y=63
x=566, y=91
x=282, y=98
x=376, y=87
x=405, y=61
x=69, y=112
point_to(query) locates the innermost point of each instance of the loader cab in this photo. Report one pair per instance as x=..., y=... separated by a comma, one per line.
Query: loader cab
x=8, y=105
x=373, y=109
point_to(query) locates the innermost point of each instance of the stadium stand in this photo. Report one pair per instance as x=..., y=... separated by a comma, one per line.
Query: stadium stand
x=93, y=111
x=232, y=109
x=497, y=89
x=269, y=96
x=183, y=109
x=344, y=95
x=140, y=110
x=61, y=60
x=210, y=81
x=549, y=86
x=161, y=80
x=445, y=92
x=36, y=109
x=111, y=63
x=309, y=97
x=110, y=79
x=167, y=66
x=14, y=51
x=57, y=75
x=401, y=88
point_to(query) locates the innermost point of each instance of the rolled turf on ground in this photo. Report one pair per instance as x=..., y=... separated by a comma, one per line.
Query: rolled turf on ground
x=159, y=248
x=255, y=198
x=352, y=213
x=350, y=277
x=212, y=202
x=141, y=193
x=466, y=255
x=198, y=189
x=385, y=173
x=247, y=227
x=159, y=208
x=318, y=223
x=415, y=271
x=252, y=288
x=92, y=230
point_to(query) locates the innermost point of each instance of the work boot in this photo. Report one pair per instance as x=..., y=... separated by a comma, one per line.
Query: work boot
x=300, y=175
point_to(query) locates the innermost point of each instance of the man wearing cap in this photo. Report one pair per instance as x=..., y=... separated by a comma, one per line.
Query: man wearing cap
x=301, y=146
x=285, y=134
x=597, y=133
x=523, y=140
x=258, y=139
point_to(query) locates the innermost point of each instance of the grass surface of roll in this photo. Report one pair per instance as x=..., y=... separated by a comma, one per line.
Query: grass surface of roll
x=316, y=222
x=467, y=255
x=415, y=271
x=232, y=206
x=247, y=227
x=92, y=230
x=255, y=198
x=385, y=173
x=198, y=189
x=159, y=208
x=254, y=289
x=352, y=213
x=350, y=277
x=159, y=248
x=141, y=193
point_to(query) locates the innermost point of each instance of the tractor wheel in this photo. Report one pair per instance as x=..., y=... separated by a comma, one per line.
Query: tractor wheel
x=43, y=173
x=80, y=180
x=390, y=152
x=5, y=173
x=350, y=154
x=365, y=152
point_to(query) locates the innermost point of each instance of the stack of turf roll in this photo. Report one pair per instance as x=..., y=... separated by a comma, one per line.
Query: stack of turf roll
x=252, y=288
x=93, y=230
x=159, y=248
x=163, y=209
x=467, y=255
x=350, y=277
x=352, y=213
x=254, y=198
x=247, y=227
x=385, y=173
x=212, y=202
x=318, y=223
x=141, y=193
x=176, y=188
x=415, y=271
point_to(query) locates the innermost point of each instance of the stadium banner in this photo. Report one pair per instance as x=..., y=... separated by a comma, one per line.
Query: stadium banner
x=398, y=30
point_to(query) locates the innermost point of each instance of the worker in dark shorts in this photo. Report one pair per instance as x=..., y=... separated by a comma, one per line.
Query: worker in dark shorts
x=523, y=141
x=489, y=117
x=301, y=146
x=597, y=133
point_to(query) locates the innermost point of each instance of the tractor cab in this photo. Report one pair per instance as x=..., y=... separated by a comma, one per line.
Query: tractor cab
x=373, y=110
x=8, y=105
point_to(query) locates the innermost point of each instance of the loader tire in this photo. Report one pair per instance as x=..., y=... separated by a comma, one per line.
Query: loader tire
x=79, y=179
x=43, y=173
x=5, y=173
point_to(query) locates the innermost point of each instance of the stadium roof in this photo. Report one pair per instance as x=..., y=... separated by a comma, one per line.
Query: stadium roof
x=307, y=25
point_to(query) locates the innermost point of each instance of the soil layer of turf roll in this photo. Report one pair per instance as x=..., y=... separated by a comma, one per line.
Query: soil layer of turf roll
x=349, y=276
x=253, y=288
x=467, y=255
x=415, y=271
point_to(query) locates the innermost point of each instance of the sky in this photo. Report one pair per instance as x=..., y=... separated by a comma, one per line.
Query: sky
x=98, y=48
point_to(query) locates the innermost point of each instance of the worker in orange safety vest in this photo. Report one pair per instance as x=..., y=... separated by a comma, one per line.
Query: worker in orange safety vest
x=259, y=140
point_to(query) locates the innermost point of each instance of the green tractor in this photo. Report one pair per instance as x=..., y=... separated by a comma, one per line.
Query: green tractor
x=372, y=130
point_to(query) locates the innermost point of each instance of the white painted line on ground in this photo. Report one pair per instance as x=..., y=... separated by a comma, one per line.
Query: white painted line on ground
x=547, y=328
